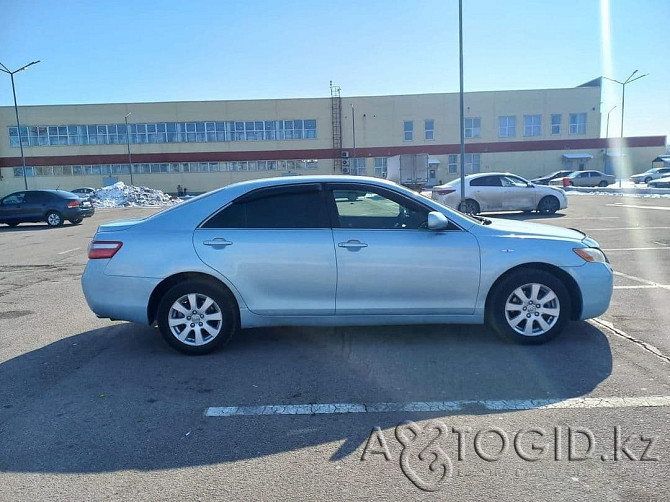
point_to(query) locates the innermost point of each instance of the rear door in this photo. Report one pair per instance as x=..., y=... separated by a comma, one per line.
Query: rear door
x=488, y=192
x=389, y=263
x=35, y=205
x=275, y=246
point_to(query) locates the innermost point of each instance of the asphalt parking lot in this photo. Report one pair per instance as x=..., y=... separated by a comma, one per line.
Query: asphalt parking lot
x=92, y=409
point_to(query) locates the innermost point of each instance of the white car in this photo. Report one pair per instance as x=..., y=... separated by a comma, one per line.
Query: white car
x=662, y=182
x=651, y=174
x=500, y=192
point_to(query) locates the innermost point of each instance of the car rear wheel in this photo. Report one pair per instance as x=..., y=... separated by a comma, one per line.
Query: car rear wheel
x=529, y=307
x=197, y=317
x=76, y=221
x=54, y=219
x=469, y=206
x=603, y=183
x=548, y=205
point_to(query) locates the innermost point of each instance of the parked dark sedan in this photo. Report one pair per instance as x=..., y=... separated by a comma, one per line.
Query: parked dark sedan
x=52, y=206
x=544, y=180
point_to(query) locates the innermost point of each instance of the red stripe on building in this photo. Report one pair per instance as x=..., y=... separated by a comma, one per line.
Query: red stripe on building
x=328, y=153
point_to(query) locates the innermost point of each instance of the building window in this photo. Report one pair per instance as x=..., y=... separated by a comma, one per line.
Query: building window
x=380, y=167
x=578, y=123
x=453, y=164
x=166, y=168
x=408, y=127
x=473, y=127
x=164, y=132
x=359, y=166
x=555, y=124
x=472, y=163
x=429, y=126
x=532, y=125
x=507, y=126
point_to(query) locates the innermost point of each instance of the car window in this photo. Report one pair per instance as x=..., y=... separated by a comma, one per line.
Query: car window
x=15, y=198
x=486, y=181
x=33, y=197
x=513, y=181
x=277, y=207
x=366, y=208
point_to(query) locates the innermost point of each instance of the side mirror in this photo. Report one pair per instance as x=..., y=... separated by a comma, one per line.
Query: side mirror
x=437, y=221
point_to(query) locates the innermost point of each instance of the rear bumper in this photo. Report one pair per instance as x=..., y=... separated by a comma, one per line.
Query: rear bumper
x=114, y=296
x=78, y=212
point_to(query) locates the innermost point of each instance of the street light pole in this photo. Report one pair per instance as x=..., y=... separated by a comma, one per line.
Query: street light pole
x=462, y=115
x=16, y=110
x=623, y=100
x=130, y=159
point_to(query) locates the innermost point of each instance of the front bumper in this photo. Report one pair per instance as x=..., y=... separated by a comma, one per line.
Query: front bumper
x=596, y=283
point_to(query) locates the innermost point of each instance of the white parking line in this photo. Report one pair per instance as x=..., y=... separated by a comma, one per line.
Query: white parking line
x=619, y=229
x=643, y=281
x=659, y=208
x=642, y=286
x=439, y=406
x=69, y=250
x=636, y=249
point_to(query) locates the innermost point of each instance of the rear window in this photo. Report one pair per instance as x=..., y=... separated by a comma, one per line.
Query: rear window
x=286, y=208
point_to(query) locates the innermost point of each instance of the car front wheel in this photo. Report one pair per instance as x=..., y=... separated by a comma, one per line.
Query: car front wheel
x=197, y=317
x=529, y=307
x=54, y=219
x=602, y=184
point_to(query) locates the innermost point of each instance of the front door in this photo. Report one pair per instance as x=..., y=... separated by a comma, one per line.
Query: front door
x=388, y=262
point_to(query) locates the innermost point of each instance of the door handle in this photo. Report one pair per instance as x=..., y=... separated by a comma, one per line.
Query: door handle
x=352, y=244
x=218, y=241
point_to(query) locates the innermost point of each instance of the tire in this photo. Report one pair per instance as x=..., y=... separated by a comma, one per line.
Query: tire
x=522, y=296
x=215, y=324
x=647, y=180
x=469, y=206
x=548, y=205
x=76, y=221
x=603, y=184
x=13, y=224
x=54, y=219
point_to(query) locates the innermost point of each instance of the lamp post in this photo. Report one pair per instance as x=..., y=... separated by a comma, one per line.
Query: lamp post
x=16, y=110
x=607, y=136
x=130, y=159
x=460, y=94
x=623, y=101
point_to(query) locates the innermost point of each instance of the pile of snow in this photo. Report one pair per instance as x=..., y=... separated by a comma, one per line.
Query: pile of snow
x=122, y=195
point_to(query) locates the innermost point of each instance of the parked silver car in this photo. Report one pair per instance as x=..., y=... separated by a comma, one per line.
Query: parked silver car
x=500, y=192
x=650, y=174
x=662, y=182
x=338, y=250
x=585, y=179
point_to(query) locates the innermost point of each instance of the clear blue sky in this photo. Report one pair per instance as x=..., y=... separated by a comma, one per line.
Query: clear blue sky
x=169, y=50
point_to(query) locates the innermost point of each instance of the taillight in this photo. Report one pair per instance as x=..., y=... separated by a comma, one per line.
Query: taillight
x=73, y=203
x=103, y=249
x=445, y=191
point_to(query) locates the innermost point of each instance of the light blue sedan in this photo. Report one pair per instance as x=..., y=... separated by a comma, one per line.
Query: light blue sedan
x=338, y=250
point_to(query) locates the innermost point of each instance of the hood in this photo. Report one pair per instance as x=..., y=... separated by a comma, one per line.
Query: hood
x=533, y=230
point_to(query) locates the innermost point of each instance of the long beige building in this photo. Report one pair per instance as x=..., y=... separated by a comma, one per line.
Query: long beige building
x=199, y=146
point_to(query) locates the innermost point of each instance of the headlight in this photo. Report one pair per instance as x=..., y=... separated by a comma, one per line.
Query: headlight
x=592, y=255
